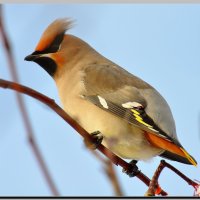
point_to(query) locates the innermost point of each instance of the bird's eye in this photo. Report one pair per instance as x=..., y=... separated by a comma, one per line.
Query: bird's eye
x=55, y=44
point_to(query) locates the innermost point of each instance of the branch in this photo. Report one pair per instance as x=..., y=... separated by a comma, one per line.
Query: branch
x=51, y=103
x=153, y=184
x=25, y=117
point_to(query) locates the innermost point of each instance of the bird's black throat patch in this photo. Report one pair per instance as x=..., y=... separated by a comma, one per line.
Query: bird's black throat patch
x=48, y=64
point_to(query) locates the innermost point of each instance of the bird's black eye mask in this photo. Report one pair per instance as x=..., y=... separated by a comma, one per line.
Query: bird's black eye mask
x=54, y=46
x=48, y=64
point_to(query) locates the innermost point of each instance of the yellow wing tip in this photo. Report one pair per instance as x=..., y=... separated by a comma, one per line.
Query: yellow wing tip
x=190, y=159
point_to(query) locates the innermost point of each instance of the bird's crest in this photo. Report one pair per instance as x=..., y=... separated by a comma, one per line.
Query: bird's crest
x=54, y=32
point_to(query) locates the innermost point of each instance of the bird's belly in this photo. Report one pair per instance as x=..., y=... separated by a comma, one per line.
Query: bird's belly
x=124, y=139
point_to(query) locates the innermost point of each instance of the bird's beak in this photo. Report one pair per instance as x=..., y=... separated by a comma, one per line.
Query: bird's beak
x=32, y=57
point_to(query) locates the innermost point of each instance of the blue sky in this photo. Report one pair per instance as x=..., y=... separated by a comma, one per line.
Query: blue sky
x=159, y=43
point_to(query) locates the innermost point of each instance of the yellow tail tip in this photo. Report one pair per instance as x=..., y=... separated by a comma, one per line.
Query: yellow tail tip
x=190, y=159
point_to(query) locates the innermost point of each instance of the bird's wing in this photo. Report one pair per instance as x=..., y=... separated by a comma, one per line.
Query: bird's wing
x=112, y=89
x=118, y=92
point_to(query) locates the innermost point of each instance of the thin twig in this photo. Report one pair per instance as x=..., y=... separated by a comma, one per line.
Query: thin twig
x=154, y=181
x=111, y=173
x=25, y=116
x=153, y=184
x=184, y=177
x=51, y=103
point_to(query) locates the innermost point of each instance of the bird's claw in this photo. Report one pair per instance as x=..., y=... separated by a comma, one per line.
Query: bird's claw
x=133, y=170
x=97, y=138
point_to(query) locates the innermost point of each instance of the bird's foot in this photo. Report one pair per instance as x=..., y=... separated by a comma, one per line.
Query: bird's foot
x=97, y=138
x=133, y=170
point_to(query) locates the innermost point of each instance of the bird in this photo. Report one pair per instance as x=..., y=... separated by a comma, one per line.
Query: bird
x=122, y=111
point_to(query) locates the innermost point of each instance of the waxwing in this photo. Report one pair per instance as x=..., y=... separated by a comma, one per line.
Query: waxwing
x=106, y=100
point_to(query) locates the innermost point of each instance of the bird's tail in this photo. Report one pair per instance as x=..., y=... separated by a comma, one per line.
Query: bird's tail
x=172, y=151
x=175, y=157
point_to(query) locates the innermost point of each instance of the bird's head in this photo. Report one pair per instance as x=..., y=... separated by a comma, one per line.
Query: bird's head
x=55, y=48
